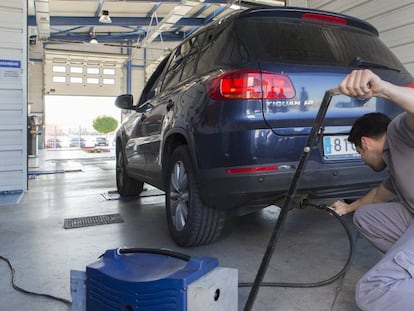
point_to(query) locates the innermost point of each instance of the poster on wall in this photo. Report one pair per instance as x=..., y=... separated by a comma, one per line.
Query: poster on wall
x=10, y=70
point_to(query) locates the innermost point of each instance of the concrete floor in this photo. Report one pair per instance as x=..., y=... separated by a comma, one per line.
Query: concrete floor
x=312, y=246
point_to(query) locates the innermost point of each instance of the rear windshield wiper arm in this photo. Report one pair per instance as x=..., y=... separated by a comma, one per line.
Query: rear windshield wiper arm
x=360, y=62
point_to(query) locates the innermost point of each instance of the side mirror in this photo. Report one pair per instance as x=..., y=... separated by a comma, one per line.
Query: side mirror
x=125, y=101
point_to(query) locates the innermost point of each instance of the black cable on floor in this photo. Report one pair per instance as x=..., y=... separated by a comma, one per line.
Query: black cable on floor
x=24, y=291
x=324, y=282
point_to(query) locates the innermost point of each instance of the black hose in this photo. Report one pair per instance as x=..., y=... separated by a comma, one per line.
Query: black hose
x=324, y=282
x=24, y=291
x=158, y=251
x=316, y=127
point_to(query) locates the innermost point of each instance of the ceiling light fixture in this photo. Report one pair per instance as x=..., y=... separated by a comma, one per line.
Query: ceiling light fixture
x=105, y=17
x=93, y=37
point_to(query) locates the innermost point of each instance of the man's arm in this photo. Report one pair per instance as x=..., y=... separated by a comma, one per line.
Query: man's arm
x=366, y=84
x=377, y=195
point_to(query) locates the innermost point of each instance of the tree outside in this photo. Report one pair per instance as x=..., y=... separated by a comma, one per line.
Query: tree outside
x=105, y=124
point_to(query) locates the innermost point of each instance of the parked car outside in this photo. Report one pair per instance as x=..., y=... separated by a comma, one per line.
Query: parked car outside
x=77, y=142
x=101, y=141
x=53, y=143
x=223, y=120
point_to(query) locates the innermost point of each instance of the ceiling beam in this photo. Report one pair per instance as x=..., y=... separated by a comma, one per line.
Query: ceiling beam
x=154, y=9
x=165, y=1
x=112, y=38
x=116, y=21
x=168, y=22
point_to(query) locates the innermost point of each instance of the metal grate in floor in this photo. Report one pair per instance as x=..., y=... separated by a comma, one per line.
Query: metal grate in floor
x=72, y=223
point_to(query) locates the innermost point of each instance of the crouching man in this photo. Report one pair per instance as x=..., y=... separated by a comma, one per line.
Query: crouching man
x=385, y=215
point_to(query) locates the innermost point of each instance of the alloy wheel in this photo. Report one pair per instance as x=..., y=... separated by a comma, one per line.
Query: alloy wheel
x=179, y=194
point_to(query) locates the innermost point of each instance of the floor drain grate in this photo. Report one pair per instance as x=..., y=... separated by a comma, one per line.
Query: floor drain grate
x=71, y=223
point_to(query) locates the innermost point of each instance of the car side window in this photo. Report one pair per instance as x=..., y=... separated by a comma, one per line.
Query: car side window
x=152, y=87
x=182, y=63
x=174, y=69
x=206, y=51
x=189, y=65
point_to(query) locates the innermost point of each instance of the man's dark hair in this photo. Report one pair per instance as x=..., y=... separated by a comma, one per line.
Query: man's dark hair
x=372, y=125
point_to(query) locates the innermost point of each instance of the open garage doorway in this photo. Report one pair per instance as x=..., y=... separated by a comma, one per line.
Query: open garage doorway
x=68, y=91
x=69, y=122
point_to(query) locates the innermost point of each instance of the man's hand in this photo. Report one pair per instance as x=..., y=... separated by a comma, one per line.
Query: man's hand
x=366, y=84
x=341, y=208
x=379, y=194
x=361, y=84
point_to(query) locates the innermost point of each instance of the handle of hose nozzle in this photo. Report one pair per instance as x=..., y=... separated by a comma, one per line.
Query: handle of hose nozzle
x=335, y=91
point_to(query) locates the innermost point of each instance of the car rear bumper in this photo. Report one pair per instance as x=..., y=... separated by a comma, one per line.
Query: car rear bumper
x=337, y=181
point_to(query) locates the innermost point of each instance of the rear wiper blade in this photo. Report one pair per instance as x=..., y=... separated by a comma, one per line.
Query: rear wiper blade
x=360, y=62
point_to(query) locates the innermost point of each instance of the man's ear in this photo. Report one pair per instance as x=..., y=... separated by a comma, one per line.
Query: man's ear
x=365, y=142
x=369, y=143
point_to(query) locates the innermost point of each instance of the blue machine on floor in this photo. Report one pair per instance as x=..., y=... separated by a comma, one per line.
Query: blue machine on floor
x=144, y=280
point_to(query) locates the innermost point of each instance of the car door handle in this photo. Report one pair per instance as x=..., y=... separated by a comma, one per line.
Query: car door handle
x=170, y=104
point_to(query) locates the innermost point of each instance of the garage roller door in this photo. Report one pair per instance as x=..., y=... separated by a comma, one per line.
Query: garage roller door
x=83, y=74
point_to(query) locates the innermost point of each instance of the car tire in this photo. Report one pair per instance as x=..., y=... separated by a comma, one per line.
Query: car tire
x=190, y=222
x=126, y=185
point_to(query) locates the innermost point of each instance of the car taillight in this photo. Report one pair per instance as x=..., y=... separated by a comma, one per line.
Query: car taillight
x=324, y=18
x=245, y=84
x=411, y=85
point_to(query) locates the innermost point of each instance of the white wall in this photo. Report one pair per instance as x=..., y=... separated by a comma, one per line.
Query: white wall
x=13, y=95
x=297, y=3
x=393, y=19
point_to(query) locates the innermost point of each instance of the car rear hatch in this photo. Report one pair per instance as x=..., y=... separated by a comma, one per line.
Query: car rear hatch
x=301, y=54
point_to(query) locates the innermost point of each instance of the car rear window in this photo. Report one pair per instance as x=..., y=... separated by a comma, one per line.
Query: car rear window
x=290, y=40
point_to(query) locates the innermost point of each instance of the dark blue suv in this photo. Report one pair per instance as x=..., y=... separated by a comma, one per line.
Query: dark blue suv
x=222, y=122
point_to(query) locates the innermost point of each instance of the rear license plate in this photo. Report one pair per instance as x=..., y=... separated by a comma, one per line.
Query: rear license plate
x=338, y=146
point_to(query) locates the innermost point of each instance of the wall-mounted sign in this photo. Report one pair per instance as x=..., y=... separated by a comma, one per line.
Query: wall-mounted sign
x=10, y=70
